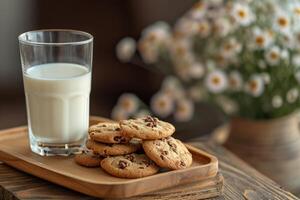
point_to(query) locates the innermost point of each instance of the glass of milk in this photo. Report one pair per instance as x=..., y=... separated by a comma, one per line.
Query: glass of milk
x=57, y=67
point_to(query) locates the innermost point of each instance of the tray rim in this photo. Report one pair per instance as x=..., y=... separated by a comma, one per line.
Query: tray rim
x=28, y=163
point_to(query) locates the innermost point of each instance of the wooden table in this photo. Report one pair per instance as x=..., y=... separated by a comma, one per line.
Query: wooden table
x=241, y=182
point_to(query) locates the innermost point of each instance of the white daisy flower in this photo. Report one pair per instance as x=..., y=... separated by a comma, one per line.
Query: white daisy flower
x=230, y=48
x=292, y=95
x=296, y=9
x=171, y=86
x=296, y=60
x=288, y=40
x=198, y=10
x=118, y=113
x=128, y=102
x=277, y=101
x=185, y=27
x=181, y=49
x=161, y=104
x=262, y=39
x=222, y=26
x=161, y=30
x=197, y=93
x=228, y=105
x=255, y=86
x=282, y=22
x=204, y=28
x=284, y=54
x=266, y=77
x=273, y=55
x=184, y=110
x=142, y=113
x=153, y=38
x=216, y=81
x=235, y=81
x=125, y=49
x=297, y=76
x=196, y=70
x=242, y=14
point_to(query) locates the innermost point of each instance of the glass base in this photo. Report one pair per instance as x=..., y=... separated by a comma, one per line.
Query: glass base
x=45, y=149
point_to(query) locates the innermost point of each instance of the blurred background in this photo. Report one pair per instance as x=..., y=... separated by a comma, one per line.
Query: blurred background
x=108, y=22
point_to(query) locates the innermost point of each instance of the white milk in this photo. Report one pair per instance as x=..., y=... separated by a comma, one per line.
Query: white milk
x=57, y=98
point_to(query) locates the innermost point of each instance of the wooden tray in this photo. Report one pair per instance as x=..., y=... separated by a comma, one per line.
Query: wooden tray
x=15, y=151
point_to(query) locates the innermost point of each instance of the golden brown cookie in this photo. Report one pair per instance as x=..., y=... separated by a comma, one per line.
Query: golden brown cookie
x=112, y=149
x=107, y=132
x=129, y=166
x=88, y=159
x=146, y=128
x=168, y=153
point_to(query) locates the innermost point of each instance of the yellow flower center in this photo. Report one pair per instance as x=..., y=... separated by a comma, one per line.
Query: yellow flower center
x=274, y=55
x=202, y=28
x=199, y=6
x=126, y=104
x=282, y=21
x=162, y=104
x=260, y=40
x=242, y=14
x=151, y=37
x=216, y=80
x=228, y=47
x=233, y=82
x=253, y=85
x=180, y=51
x=297, y=11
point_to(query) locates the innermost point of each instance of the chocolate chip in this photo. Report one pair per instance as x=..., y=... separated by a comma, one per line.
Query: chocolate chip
x=172, y=145
x=123, y=140
x=162, y=157
x=152, y=121
x=164, y=153
x=182, y=163
x=117, y=138
x=141, y=168
x=130, y=157
x=122, y=164
x=146, y=162
x=117, y=129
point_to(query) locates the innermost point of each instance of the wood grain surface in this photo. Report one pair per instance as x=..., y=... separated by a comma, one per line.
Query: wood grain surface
x=240, y=182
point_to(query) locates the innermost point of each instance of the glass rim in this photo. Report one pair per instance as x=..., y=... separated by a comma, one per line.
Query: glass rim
x=85, y=41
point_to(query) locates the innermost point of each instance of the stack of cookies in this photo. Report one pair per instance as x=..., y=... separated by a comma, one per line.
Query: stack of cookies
x=117, y=148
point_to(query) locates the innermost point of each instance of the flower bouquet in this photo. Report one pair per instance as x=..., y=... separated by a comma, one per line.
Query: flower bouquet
x=242, y=56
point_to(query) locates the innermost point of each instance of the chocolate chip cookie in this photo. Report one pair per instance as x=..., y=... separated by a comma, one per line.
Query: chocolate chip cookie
x=168, y=153
x=107, y=132
x=146, y=128
x=112, y=149
x=129, y=166
x=88, y=159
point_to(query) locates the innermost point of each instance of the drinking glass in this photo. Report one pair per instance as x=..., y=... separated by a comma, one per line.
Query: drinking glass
x=57, y=67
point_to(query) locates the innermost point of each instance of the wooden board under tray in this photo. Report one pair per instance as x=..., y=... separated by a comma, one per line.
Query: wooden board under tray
x=15, y=151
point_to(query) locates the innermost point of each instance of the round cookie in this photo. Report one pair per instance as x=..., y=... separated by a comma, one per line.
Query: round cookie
x=112, y=149
x=146, y=128
x=88, y=159
x=107, y=132
x=168, y=153
x=129, y=166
